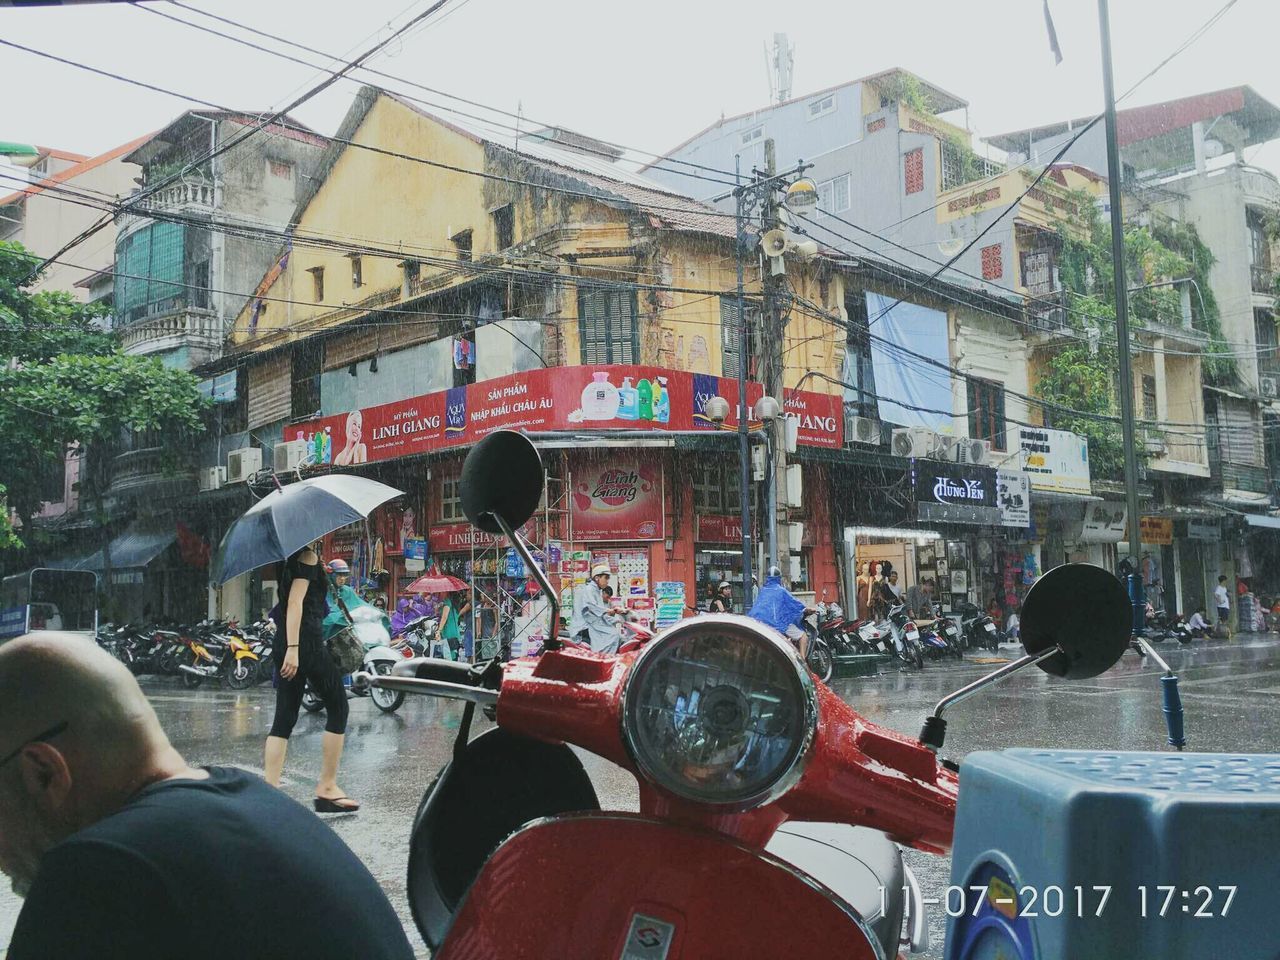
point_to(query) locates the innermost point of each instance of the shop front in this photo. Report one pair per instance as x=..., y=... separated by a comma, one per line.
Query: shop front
x=961, y=501
x=651, y=488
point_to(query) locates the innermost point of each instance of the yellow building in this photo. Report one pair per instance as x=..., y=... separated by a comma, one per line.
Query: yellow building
x=436, y=229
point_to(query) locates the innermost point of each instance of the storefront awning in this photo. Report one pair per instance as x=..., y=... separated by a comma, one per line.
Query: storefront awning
x=132, y=550
x=1260, y=520
x=1052, y=496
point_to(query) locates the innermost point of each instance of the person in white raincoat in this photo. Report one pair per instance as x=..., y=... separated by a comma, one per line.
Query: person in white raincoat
x=591, y=623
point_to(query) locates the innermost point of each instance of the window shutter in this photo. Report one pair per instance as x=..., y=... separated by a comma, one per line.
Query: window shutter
x=270, y=390
x=607, y=325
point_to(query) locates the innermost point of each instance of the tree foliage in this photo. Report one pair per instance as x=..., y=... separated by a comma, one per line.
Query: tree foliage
x=67, y=384
x=1079, y=378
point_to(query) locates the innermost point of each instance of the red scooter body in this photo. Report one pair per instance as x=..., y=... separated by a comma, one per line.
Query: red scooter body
x=617, y=886
x=691, y=880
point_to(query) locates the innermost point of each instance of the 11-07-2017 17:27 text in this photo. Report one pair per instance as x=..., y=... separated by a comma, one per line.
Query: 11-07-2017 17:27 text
x=1156, y=901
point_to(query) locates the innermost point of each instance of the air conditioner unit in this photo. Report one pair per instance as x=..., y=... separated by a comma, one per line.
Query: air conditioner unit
x=861, y=430
x=1269, y=386
x=913, y=442
x=290, y=455
x=243, y=464
x=969, y=451
x=945, y=446
x=212, y=478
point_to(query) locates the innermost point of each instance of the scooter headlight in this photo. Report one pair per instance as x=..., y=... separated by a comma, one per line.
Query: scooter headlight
x=720, y=710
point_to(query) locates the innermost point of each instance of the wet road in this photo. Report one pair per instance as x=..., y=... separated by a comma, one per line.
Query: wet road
x=1231, y=691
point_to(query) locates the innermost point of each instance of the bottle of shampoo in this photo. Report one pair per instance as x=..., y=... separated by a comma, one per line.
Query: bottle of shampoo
x=600, y=398
x=645, y=390
x=662, y=403
x=628, y=401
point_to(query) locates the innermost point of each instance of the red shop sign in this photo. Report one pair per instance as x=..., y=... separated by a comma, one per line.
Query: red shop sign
x=457, y=538
x=581, y=399
x=617, y=498
x=718, y=528
x=820, y=415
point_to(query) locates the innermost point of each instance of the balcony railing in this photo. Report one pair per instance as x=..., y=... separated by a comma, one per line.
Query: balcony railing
x=148, y=473
x=188, y=194
x=1047, y=313
x=1263, y=279
x=181, y=327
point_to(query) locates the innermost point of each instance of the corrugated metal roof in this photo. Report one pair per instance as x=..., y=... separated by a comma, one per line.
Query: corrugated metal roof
x=615, y=183
x=132, y=550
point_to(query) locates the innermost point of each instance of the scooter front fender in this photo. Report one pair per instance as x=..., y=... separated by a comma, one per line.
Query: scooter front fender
x=617, y=886
x=376, y=654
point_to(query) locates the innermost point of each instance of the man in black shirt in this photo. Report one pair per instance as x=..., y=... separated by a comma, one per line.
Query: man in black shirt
x=122, y=850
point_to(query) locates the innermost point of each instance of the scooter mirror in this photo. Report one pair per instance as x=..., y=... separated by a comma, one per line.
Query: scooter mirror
x=502, y=475
x=1085, y=611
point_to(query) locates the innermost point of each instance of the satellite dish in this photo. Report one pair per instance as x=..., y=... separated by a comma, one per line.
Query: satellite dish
x=1213, y=148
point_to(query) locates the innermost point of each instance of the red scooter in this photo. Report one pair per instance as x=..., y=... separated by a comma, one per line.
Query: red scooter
x=770, y=810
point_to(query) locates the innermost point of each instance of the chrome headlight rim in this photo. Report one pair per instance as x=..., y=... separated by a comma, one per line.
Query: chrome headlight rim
x=790, y=774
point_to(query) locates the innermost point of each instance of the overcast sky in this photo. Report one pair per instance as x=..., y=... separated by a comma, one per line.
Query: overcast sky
x=642, y=75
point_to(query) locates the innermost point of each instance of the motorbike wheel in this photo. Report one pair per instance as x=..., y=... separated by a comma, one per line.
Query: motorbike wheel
x=310, y=702
x=388, y=701
x=915, y=653
x=819, y=659
x=242, y=674
x=191, y=680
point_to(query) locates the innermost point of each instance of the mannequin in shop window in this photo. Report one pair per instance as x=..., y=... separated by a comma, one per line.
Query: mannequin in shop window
x=883, y=597
x=864, y=590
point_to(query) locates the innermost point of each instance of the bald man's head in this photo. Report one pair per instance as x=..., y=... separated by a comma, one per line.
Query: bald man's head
x=80, y=738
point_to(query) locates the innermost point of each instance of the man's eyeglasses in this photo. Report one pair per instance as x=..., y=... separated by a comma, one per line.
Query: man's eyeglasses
x=39, y=738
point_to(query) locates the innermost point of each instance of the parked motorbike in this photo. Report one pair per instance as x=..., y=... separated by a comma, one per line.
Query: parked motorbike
x=906, y=644
x=379, y=659
x=418, y=634
x=766, y=802
x=978, y=630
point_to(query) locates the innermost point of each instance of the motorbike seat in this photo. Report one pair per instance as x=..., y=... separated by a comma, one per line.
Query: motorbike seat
x=494, y=786
x=860, y=865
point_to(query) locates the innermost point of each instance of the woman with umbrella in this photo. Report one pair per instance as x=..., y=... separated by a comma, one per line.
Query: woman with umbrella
x=453, y=608
x=286, y=525
x=303, y=659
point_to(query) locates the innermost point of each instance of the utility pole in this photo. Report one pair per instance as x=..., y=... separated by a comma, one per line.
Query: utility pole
x=774, y=324
x=1122, y=318
x=759, y=198
x=744, y=340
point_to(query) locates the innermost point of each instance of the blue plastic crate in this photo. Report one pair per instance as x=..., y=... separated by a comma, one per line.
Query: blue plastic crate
x=1159, y=855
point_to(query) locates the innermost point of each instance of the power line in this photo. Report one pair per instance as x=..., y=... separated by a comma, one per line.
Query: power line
x=264, y=122
x=443, y=93
x=690, y=207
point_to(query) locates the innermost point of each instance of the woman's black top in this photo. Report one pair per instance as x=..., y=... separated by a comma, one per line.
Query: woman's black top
x=311, y=627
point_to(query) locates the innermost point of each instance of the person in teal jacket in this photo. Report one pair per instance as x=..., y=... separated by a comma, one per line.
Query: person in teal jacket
x=340, y=590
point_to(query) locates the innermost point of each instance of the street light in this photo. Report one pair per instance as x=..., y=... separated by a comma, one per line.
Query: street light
x=802, y=197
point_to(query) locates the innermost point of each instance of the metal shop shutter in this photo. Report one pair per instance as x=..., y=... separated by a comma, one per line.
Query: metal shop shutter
x=270, y=390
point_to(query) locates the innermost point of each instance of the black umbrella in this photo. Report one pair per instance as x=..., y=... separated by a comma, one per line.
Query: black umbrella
x=286, y=520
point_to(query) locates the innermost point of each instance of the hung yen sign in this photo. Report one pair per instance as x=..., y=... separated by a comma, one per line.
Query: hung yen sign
x=955, y=492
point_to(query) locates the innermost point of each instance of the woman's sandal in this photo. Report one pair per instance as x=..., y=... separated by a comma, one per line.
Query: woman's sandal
x=336, y=805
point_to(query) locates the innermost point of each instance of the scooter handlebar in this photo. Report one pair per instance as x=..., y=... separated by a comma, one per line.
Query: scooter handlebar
x=432, y=677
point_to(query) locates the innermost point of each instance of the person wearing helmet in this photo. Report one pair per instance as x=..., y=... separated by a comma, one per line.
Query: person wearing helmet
x=722, y=600
x=591, y=623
